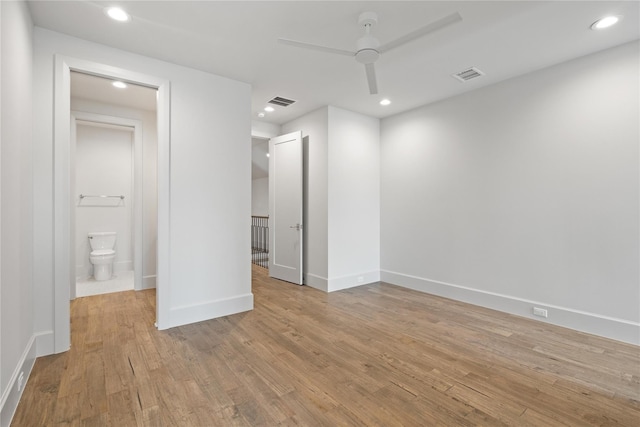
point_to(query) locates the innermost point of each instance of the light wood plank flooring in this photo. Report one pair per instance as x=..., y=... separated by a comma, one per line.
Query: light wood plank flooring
x=376, y=355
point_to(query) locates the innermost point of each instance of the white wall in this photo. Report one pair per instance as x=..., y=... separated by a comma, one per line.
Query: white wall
x=209, y=265
x=264, y=129
x=260, y=197
x=17, y=349
x=149, y=178
x=314, y=127
x=104, y=165
x=523, y=193
x=342, y=197
x=353, y=199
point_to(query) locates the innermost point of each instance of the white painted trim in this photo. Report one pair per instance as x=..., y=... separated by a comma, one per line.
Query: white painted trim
x=316, y=282
x=11, y=396
x=351, y=281
x=120, y=123
x=340, y=283
x=63, y=268
x=163, y=284
x=61, y=206
x=609, y=327
x=209, y=310
x=44, y=343
x=121, y=266
x=148, y=282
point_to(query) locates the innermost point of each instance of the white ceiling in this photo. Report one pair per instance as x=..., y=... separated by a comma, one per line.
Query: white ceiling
x=237, y=39
x=100, y=89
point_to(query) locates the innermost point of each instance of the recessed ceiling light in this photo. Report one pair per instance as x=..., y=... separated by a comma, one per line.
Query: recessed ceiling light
x=118, y=14
x=385, y=102
x=269, y=109
x=119, y=85
x=267, y=154
x=260, y=114
x=605, y=22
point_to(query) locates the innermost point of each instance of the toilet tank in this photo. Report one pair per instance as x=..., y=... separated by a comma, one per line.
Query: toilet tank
x=102, y=240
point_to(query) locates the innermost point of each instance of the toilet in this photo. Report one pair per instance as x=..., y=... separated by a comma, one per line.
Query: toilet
x=102, y=254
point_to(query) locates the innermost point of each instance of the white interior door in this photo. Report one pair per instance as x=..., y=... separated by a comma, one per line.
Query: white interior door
x=285, y=207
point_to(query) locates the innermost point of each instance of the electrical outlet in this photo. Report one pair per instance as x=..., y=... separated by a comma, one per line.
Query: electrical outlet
x=540, y=312
x=20, y=381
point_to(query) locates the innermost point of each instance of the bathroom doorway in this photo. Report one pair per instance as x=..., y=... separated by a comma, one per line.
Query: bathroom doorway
x=64, y=201
x=113, y=157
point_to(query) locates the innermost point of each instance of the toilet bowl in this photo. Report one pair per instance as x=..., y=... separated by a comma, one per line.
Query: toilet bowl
x=102, y=261
x=102, y=254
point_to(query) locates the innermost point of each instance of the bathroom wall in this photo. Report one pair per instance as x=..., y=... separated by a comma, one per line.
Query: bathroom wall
x=104, y=165
x=150, y=172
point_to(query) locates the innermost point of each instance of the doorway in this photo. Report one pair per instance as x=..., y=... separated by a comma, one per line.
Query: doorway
x=260, y=202
x=286, y=189
x=64, y=200
x=114, y=182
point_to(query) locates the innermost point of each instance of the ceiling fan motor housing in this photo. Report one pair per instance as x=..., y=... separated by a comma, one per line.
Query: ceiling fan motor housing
x=367, y=49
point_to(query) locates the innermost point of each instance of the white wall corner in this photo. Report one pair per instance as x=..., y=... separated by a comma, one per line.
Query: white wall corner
x=11, y=395
x=616, y=329
x=353, y=280
x=193, y=313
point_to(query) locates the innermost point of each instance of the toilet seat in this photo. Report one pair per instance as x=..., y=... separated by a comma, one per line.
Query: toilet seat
x=102, y=252
x=102, y=256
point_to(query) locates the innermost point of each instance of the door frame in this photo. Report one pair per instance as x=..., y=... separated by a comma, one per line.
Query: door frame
x=63, y=270
x=134, y=126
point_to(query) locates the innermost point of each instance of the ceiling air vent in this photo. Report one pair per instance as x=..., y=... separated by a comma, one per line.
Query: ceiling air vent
x=468, y=74
x=283, y=102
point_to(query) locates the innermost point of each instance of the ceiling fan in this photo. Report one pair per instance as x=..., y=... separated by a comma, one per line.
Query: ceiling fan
x=368, y=48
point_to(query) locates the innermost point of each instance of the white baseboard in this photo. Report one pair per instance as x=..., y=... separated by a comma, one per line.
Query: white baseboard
x=122, y=266
x=340, y=283
x=45, y=343
x=316, y=282
x=11, y=395
x=85, y=271
x=148, y=282
x=184, y=315
x=351, y=281
x=608, y=327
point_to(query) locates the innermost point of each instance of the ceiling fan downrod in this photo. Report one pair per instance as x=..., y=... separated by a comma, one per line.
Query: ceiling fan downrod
x=367, y=45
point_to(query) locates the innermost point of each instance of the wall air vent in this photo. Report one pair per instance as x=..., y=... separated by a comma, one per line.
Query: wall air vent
x=468, y=74
x=283, y=102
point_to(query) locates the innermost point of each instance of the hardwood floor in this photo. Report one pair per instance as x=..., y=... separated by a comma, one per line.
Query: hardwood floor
x=373, y=355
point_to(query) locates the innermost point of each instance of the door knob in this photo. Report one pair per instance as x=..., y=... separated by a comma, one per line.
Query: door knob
x=297, y=226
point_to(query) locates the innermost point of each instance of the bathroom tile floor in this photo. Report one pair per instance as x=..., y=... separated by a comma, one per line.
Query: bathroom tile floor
x=121, y=281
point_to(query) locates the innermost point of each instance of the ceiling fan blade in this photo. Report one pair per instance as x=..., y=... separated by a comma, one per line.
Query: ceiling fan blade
x=429, y=28
x=371, y=78
x=316, y=47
